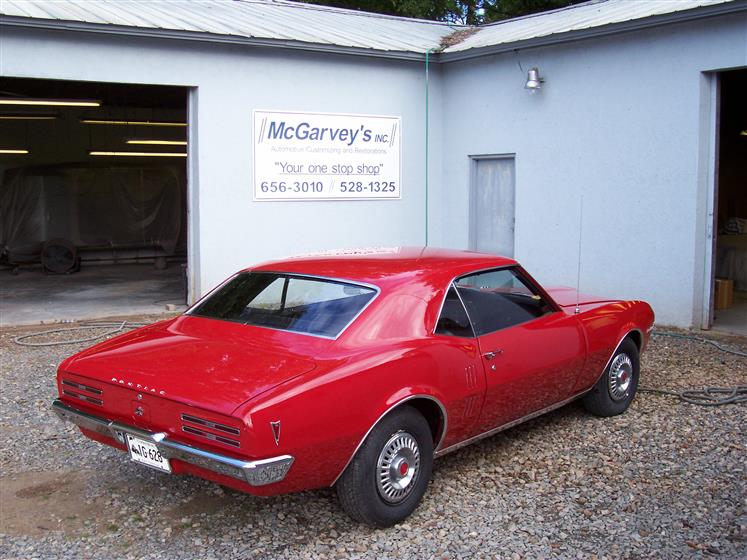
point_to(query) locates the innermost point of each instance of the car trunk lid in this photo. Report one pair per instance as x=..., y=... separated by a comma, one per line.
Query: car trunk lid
x=216, y=366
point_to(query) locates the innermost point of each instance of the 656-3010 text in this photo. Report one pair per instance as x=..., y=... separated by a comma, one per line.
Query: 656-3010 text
x=291, y=187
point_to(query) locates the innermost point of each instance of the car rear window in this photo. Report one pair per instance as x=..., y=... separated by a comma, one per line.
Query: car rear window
x=287, y=302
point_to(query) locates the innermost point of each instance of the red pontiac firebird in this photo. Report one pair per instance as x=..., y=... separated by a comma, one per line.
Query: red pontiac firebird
x=353, y=371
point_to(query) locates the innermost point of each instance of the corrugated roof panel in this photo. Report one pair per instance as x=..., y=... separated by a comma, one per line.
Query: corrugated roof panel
x=266, y=19
x=597, y=13
x=305, y=23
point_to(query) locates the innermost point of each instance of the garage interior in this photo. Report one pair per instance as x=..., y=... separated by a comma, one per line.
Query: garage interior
x=93, y=200
x=730, y=301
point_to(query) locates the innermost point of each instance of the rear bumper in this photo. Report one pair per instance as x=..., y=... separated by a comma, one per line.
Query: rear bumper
x=256, y=473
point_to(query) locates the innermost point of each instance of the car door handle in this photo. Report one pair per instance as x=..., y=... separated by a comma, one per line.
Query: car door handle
x=492, y=354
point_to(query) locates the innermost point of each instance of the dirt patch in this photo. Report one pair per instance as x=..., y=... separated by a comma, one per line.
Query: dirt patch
x=35, y=503
x=201, y=503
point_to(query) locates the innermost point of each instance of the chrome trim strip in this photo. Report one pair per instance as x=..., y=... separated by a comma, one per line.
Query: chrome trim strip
x=508, y=425
x=522, y=274
x=464, y=306
x=255, y=473
x=387, y=411
x=296, y=275
x=441, y=309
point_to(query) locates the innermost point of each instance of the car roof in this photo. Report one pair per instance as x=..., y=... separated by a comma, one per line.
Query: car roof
x=389, y=267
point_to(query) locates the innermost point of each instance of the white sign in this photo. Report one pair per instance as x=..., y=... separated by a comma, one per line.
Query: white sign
x=322, y=156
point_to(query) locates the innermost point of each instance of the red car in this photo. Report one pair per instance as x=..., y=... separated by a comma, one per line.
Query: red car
x=352, y=371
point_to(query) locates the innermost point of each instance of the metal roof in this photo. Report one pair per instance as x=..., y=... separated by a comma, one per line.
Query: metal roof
x=305, y=26
x=590, y=15
x=276, y=20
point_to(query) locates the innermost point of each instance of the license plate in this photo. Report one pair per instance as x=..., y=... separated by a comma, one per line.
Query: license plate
x=146, y=453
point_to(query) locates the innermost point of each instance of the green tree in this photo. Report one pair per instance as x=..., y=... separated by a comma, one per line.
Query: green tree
x=471, y=12
x=504, y=9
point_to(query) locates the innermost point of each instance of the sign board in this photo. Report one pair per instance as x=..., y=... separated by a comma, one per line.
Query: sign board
x=326, y=156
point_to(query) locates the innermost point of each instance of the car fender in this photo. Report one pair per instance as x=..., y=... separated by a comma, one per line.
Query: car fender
x=392, y=404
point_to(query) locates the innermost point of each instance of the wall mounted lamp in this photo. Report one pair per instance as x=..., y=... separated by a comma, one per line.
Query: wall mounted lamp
x=534, y=80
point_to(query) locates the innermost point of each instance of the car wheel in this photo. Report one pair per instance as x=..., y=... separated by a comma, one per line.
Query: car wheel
x=615, y=390
x=386, y=479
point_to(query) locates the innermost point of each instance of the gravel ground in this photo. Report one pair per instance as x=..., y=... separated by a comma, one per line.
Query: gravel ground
x=664, y=480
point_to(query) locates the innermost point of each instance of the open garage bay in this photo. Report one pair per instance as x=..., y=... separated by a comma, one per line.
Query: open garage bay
x=94, y=292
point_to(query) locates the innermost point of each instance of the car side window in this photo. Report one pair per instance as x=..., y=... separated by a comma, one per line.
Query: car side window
x=499, y=299
x=454, y=320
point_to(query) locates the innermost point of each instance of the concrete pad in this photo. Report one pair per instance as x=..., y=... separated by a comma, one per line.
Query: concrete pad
x=734, y=319
x=34, y=297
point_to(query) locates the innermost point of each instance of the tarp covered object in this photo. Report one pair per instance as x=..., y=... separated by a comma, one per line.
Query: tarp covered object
x=93, y=207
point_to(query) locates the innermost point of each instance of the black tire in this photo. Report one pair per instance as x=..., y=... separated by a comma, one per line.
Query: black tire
x=610, y=396
x=379, y=504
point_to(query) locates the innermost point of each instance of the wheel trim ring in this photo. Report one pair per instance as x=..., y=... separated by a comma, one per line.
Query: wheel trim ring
x=392, y=485
x=620, y=377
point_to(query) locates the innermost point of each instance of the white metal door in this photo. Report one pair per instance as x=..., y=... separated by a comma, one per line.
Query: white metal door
x=492, y=214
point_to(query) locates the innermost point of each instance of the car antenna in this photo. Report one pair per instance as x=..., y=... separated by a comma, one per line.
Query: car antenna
x=578, y=272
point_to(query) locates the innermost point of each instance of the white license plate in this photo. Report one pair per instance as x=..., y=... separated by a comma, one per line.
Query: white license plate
x=146, y=452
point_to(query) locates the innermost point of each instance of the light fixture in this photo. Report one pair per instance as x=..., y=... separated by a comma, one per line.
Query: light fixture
x=137, y=154
x=743, y=133
x=534, y=80
x=26, y=117
x=159, y=142
x=131, y=123
x=14, y=152
x=49, y=102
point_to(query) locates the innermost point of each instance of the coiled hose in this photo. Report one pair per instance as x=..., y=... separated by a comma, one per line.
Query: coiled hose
x=113, y=328
x=708, y=396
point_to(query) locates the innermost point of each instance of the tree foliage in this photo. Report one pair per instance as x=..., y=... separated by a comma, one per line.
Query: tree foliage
x=471, y=12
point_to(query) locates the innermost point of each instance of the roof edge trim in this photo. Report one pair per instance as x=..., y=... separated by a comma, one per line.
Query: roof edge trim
x=702, y=12
x=683, y=16
x=202, y=37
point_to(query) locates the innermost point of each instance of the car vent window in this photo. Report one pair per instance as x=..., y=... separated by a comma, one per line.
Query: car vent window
x=287, y=302
x=499, y=299
x=453, y=320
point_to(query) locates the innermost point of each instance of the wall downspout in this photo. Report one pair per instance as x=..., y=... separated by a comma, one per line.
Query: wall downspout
x=427, y=117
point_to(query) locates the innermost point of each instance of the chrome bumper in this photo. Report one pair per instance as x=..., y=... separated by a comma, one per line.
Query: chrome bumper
x=256, y=473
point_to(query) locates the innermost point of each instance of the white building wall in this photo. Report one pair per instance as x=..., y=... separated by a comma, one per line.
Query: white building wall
x=232, y=230
x=617, y=123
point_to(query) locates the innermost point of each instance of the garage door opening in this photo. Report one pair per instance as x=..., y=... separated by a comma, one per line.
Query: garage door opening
x=730, y=297
x=93, y=199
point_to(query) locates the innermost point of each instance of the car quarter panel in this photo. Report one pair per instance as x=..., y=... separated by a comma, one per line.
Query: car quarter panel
x=325, y=416
x=605, y=326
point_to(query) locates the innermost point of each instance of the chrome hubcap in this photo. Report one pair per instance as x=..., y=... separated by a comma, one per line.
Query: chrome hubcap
x=620, y=377
x=398, y=467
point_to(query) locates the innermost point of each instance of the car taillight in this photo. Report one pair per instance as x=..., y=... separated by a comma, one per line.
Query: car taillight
x=209, y=429
x=82, y=392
